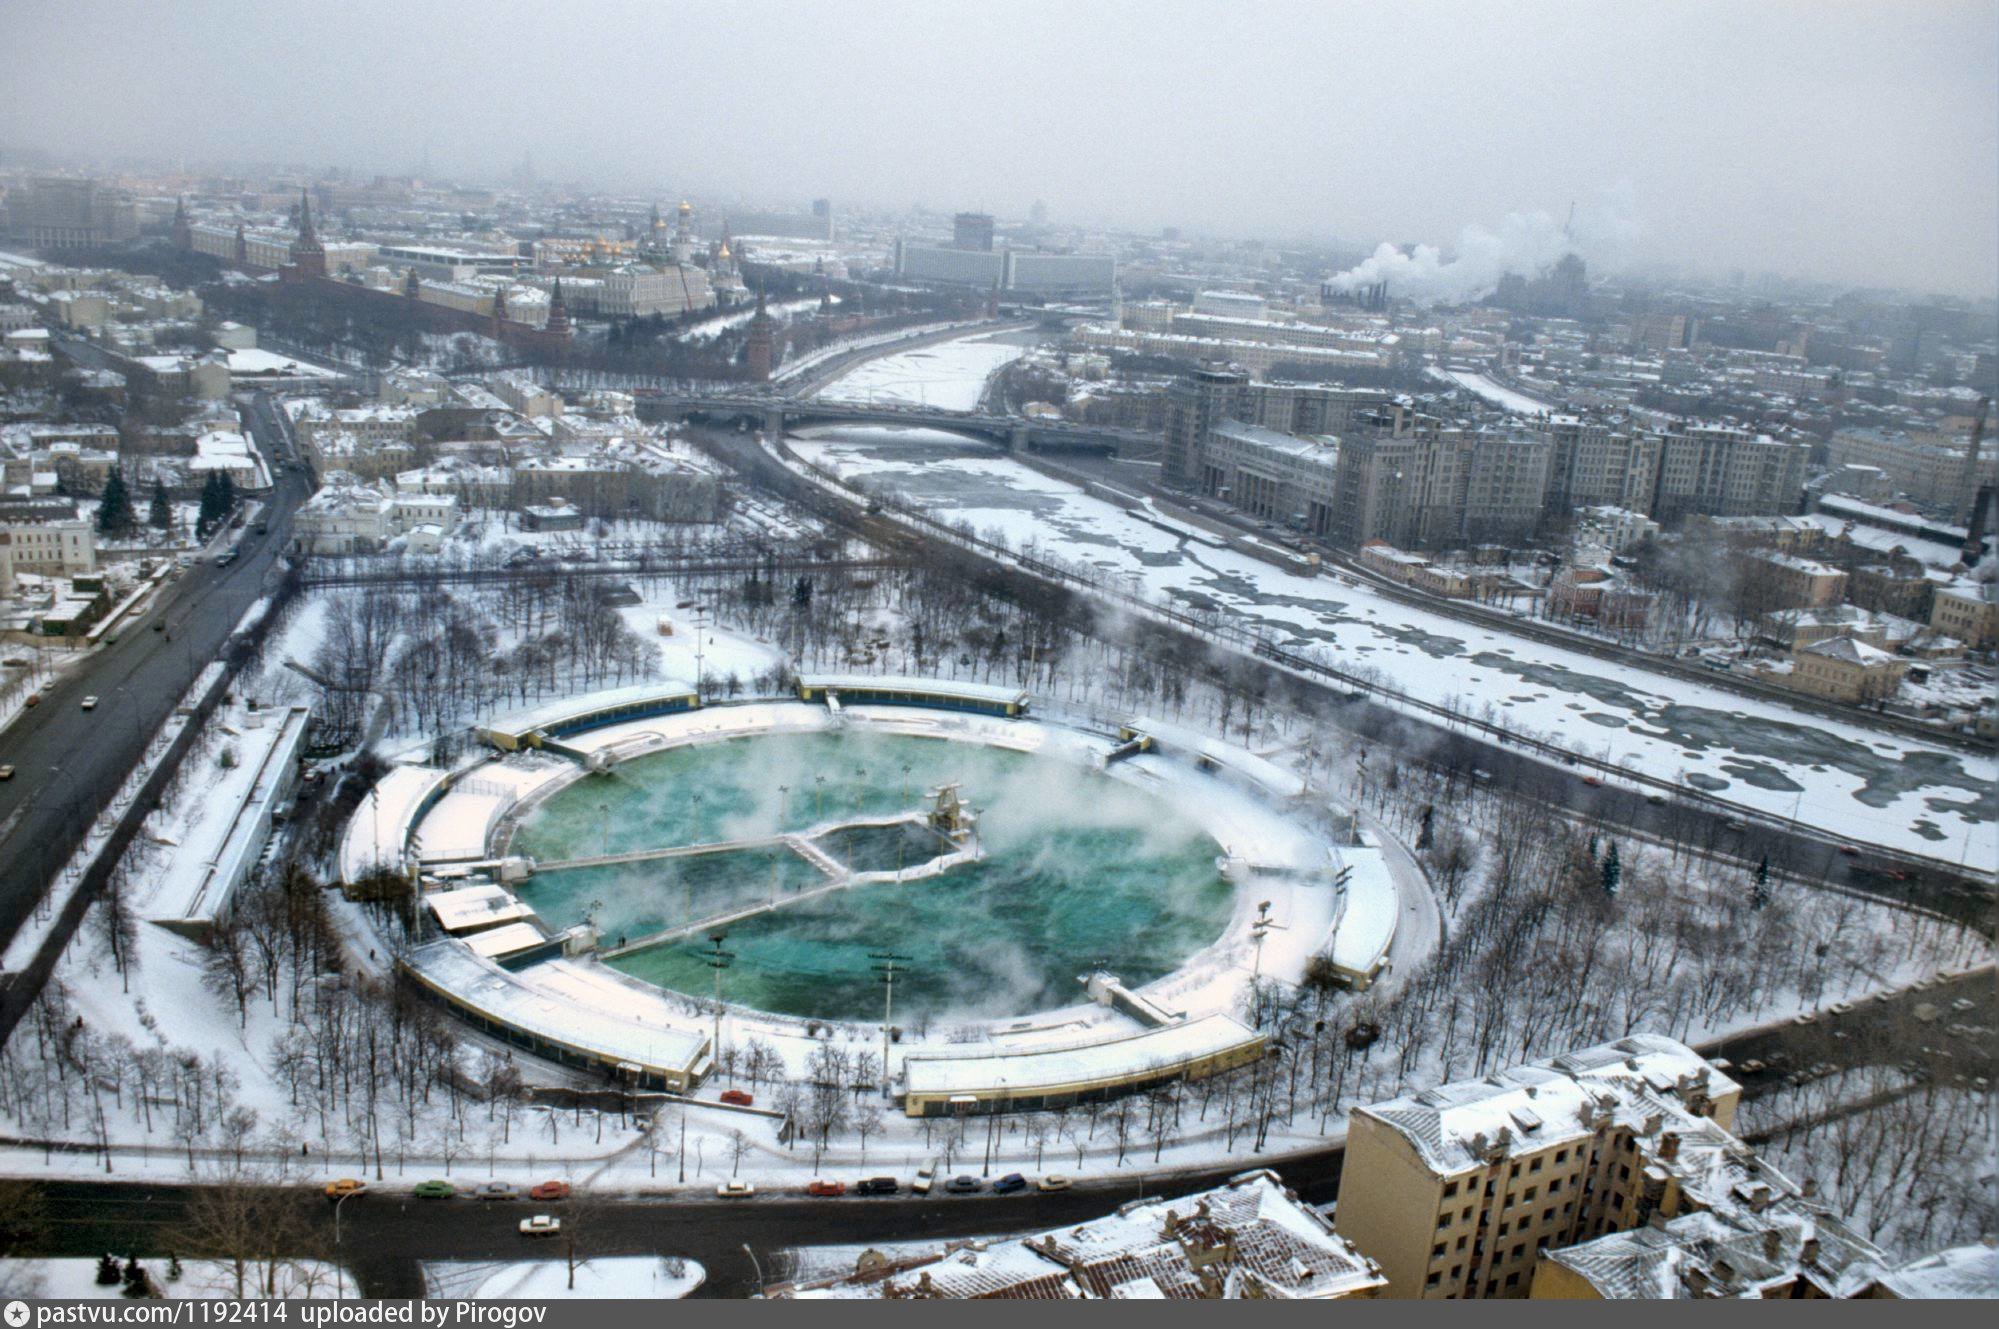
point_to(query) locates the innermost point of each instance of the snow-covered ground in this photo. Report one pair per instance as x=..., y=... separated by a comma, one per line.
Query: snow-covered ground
x=75, y=1279
x=951, y=375
x=647, y=1277
x=1496, y=393
x=1876, y=788
x=710, y=328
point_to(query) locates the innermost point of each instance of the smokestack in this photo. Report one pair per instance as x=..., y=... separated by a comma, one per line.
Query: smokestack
x=1981, y=506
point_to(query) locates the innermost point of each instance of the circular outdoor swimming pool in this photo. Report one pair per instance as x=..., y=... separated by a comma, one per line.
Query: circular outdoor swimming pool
x=1079, y=871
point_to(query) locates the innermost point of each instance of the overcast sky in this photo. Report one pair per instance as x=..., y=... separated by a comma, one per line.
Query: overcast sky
x=1853, y=141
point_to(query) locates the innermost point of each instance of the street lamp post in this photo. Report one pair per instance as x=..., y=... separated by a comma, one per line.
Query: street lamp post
x=718, y=960
x=885, y=965
x=339, y=1270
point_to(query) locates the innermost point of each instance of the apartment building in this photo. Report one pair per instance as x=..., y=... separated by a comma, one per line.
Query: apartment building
x=1592, y=464
x=1195, y=404
x=1727, y=472
x=1965, y=609
x=1456, y=1191
x=1798, y=582
x=1276, y=476
x=1844, y=668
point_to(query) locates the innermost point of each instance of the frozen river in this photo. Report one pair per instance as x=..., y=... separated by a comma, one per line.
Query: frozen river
x=950, y=375
x=1877, y=788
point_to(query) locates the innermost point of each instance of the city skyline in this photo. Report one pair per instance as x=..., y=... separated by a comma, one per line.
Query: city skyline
x=1836, y=145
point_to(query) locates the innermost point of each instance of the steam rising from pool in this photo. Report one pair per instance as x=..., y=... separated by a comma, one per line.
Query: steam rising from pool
x=1080, y=870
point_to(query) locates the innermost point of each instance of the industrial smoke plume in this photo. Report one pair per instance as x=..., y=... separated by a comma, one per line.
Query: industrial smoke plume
x=1525, y=242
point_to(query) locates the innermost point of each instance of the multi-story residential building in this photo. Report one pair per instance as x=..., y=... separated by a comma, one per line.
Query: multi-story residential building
x=1965, y=609
x=1505, y=485
x=1798, y=582
x=48, y=535
x=1276, y=476
x=1457, y=1191
x=350, y=515
x=1591, y=464
x=1727, y=472
x=1927, y=467
x=1844, y=668
x=1194, y=405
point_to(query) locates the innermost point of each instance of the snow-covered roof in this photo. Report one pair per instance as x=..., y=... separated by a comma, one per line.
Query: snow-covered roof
x=1105, y=1060
x=473, y=908
x=1148, y=1250
x=376, y=832
x=509, y=939
x=1533, y=1106
x=932, y=687
x=1959, y=1273
x=585, y=1007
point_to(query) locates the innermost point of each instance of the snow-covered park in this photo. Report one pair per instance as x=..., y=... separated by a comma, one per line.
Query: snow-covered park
x=1881, y=789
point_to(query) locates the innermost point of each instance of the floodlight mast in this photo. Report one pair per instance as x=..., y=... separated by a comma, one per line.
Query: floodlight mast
x=885, y=965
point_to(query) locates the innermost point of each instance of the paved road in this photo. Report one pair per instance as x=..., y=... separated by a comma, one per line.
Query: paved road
x=382, y=1237
x=68, y=761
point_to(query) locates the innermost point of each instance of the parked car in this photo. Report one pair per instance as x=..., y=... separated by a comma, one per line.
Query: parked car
x=820, y=1186
x=963, y=1185
x=346, y=1186
x=541, y=1225
x=90, y=703
x=1736, y=824
x=32, y=699
x=735, y=1189
x=737, y=1098
x=1010, y=1183
x=1593, y=782
x=159, y=625
x=499, y=1190
x=434, y=1190
x=1850, y=850
x=926, y=1177
x=549, y=1190
x=1054, y=1181
x=226, y=559
x=6, y=772
x=877, y=1186
x=1752, y=1067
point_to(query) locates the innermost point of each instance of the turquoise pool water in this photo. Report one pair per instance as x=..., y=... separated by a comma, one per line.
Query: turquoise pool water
x=1080, y=870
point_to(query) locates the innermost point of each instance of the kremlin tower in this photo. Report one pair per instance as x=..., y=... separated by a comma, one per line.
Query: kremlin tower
x=761, y=348
x=308, y=255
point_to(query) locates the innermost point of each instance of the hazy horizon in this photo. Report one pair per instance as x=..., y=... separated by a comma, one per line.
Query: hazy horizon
x=1853, y=144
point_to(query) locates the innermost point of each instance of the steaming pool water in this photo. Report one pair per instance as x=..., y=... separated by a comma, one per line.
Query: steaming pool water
x=1081, y=870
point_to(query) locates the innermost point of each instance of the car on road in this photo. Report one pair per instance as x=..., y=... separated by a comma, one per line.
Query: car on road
x=226, y=559
x=1054, y=1181
x=434, y=1190
x=1753, y=1067
x=6, y=772
x=1010, y=1183
x=877, y=1186
x=90, y=703
x=735, y=1189
x=1841, y=1008
x=498, y=1190
x=541, y=1225
x=344, y=1187
x=263, y=528
x=159, y=625
x=1809, y=1017
x=1736, y=824
x=32, y=699
x=822, y=1187
x=963, y=1185
x=737, y=1098
x=1850, y=850
x=549, y=1190
x=1593, y=782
